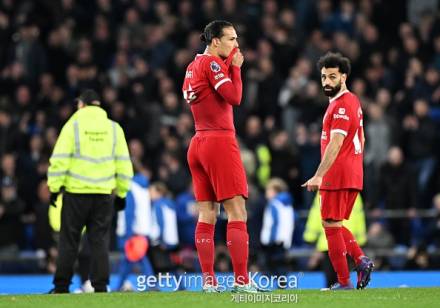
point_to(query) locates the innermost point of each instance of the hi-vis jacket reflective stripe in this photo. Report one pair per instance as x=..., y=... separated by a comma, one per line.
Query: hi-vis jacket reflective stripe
x=90, y=155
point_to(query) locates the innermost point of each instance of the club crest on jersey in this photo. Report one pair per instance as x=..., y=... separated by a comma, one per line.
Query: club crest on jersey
x=215, y=67
x=341, y=111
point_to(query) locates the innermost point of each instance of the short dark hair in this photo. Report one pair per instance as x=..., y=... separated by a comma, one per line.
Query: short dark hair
x=333, y=60
x=88, y=97
x=161, y=188
x=214, y=29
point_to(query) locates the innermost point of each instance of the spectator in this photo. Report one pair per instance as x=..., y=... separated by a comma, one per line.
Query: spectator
x=11, y=209
x=396, y=191
x=278, y=225
x=421, y=137
x=378, y=134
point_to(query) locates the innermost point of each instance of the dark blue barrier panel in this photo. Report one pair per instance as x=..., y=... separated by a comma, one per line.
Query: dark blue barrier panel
x=27, y=284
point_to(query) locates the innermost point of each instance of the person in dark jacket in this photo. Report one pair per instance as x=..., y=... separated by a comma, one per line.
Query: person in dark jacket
x=396, y=191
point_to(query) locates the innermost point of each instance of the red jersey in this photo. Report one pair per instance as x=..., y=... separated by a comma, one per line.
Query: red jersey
x=344, y=115
x=211, y=87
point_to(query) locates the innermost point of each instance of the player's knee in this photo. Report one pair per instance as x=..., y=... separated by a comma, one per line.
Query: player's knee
x=237, y=216
x=236, y=209
x=208, y=212
x=208, y=217
x=331, y=223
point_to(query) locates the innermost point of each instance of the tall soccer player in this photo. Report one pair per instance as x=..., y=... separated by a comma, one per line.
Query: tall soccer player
x=212, y=87
x=339, y=177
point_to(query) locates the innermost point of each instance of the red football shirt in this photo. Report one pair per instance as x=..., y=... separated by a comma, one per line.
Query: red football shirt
x=212, y=88
x=344, y=115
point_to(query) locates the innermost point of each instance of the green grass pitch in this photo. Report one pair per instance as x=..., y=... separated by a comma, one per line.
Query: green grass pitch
x=392, y=297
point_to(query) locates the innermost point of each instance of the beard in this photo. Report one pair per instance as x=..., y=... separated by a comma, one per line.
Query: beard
x=331, y=91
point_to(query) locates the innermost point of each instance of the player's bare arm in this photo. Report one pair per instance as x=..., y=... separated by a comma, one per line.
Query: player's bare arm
x=330, y=154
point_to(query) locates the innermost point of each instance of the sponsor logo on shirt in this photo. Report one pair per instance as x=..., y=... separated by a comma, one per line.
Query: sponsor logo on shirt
x=218, y=76
x=341, y=111
x=340, y=116
x=189, y=74
x=215, y=67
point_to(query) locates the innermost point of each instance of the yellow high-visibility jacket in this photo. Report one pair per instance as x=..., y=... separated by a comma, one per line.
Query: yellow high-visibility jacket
x=314, y=231
x=90, y=156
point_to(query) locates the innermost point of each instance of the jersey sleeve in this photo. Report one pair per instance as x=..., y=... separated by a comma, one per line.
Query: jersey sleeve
x=342, y=117
x=216, y=72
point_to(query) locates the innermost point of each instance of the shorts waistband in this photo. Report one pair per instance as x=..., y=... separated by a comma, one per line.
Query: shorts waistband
x=203, y=133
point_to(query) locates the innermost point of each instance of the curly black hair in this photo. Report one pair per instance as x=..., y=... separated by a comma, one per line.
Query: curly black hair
x=333, y=60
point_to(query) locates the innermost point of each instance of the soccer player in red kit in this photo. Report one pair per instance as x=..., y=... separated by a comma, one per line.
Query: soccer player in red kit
x=339, y=177
x=212, y=87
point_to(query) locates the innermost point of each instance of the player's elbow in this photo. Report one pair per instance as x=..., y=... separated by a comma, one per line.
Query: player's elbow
x=235, y=101
x=232, y=99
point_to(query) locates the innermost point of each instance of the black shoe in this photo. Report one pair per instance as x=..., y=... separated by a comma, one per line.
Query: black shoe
x=58, y=291
x=100, y=289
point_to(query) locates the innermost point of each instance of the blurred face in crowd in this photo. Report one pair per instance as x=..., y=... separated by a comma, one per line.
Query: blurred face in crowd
x=421, y=108
x=136, y=148
x=395, y=156
x=332, y=80
x=253, y=126
x=270, y=193
x=8, y=164
x=9, y=193
x=226, y=43
x=155, y=193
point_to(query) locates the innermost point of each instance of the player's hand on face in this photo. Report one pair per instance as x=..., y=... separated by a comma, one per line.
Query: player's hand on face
x=313, y=184
x=238, y=59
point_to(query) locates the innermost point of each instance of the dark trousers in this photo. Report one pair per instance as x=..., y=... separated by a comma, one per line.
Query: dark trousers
x=94, y=211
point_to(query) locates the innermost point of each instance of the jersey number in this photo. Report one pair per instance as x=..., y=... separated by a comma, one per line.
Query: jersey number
x=357, y=142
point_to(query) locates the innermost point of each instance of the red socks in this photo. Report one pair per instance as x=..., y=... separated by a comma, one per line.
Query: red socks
x=337, y=252
x=353, y=248
x=204, y=239
x=238, y=244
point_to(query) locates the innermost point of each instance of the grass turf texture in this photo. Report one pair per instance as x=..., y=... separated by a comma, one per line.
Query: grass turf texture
x=392, y=297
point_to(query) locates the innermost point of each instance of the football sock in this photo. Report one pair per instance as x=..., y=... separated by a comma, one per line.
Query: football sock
x=337, y=253
x=204, y=239
x=352, y=246
x=238, y=245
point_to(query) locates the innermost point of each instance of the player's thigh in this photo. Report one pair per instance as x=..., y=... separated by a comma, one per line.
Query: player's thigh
x=333, y=204
x=202, y=187
x=222, y=162
x=351, y=195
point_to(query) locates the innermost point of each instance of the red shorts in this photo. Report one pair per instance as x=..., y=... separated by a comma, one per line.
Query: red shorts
x=337, y=204
x=216, y=167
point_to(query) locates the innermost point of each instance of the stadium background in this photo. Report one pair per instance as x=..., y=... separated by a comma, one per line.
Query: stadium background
x=135, y=53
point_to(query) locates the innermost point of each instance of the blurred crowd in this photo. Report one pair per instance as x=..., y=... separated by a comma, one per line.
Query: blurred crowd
x=134, y=52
